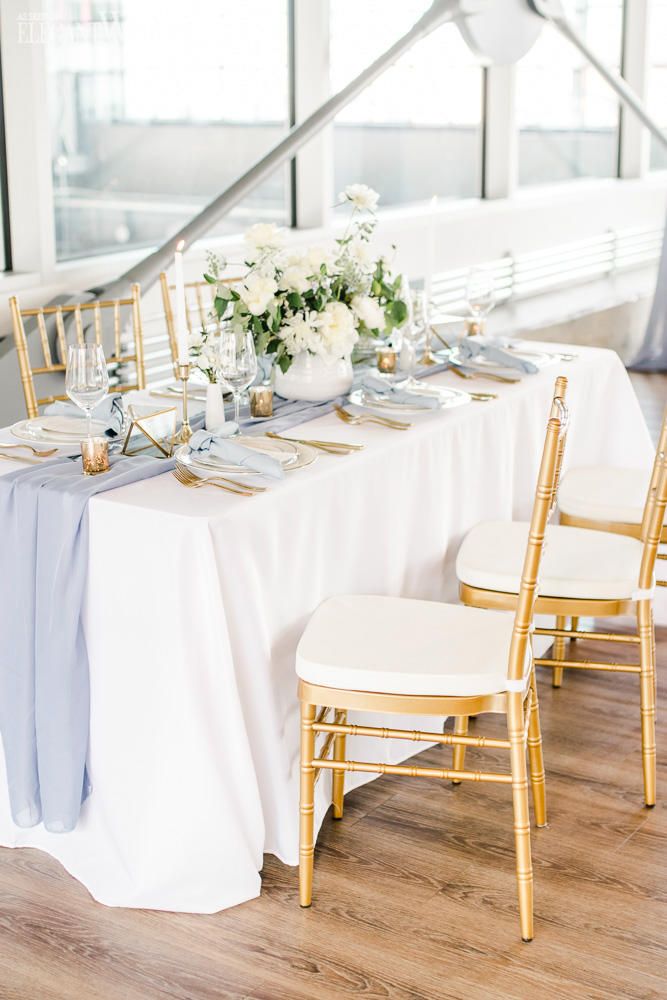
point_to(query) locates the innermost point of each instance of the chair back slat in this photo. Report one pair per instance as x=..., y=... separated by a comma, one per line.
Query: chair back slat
x=98, y=324
x=543, y=505
x=78, y=325
x=44, y=337
x=28, y=370
x=60, y=333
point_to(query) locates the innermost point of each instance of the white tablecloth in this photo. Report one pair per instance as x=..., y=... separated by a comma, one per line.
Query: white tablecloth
x=196, y=601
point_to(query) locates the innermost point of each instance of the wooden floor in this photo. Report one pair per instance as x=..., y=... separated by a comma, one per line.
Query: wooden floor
x=414, y=892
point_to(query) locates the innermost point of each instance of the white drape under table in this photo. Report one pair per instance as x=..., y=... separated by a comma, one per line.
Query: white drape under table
x=196, y=601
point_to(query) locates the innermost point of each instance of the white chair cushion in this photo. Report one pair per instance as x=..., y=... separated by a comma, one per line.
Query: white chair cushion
x=576, y=562
x=600, y=493
x=394, y=645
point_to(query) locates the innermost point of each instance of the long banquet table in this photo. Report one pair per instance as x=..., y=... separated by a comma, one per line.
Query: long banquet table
x=196, y=601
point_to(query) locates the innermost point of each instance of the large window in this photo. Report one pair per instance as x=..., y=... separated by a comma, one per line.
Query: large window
x=657, y=76
x=416, y=132
x=567, y=115
x=155, y=109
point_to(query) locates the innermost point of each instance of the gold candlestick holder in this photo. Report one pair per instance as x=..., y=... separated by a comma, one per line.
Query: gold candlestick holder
x=185, y=432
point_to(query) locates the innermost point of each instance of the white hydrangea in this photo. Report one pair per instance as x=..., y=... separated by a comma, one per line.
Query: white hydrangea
x=360, y=252
x=361, y=196
x=301, y=333
x=317, y=256
x=257, y=292
x=368, y=311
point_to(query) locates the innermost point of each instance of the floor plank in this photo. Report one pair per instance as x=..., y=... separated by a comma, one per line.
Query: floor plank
x=414, y=895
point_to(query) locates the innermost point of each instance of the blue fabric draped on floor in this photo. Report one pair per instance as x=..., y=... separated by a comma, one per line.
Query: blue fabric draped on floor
x=44, y=683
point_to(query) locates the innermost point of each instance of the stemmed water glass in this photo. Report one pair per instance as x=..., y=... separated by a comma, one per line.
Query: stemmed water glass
x=238, y=362
x=414, y=329
x=87, y=378
x=480, y=292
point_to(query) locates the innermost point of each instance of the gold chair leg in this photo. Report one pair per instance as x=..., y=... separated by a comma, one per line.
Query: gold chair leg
x=306, y=806
x=459, y=752
x=647, y=697
x=559, y=653
x=524, y=869
x=338, y=777
x=536, y=759
x=575, y=626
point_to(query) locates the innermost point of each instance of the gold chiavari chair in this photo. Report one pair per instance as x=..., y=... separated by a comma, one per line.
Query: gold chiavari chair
x=199, y=307
x=604, y=498
x=585, y=573
x=87, y=319
x=395, y=655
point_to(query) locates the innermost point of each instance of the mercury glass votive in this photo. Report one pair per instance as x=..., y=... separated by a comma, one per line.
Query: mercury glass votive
x=261, y=401
x=474, y=327
x=387, y=358
x=95, y=455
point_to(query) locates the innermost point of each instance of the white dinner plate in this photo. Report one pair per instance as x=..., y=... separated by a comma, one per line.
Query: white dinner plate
x=538, y=358
x=291, y=456
x=55, y=430
x=448, y=398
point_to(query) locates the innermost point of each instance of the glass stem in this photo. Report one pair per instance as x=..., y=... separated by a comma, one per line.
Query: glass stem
x=237, y=407
x=88, y=423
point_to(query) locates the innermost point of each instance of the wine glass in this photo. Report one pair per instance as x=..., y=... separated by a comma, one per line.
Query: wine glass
x=87, y=378
x=238, y=362
x=480, y=289
x=414, y=329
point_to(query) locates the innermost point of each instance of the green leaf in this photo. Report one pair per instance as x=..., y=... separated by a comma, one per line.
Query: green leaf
x=295, y=301
x=399, y=312
x=211, y=280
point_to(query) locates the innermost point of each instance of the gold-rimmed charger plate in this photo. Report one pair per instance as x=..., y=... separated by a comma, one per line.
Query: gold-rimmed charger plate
x=55, y=430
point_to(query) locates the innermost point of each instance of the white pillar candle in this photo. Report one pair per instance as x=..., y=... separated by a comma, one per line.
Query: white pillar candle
x=181, y=321
x=430, y=250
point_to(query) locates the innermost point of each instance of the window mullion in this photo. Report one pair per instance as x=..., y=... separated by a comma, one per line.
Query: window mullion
x=314, y=163
x=634, y=140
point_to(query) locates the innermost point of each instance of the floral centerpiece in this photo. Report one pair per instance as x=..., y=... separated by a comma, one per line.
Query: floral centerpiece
x=307, y=309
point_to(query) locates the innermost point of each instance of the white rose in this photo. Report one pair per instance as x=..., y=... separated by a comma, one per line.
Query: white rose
x=361, y=196
x=257, y=292
x=264, y=236
x=300, y=333
x=369, y=312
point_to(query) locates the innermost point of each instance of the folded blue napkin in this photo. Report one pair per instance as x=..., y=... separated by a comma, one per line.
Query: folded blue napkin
x=109, y=412
x=468, y=349
x=222, y=445
x=383, y=387
x=44, y=681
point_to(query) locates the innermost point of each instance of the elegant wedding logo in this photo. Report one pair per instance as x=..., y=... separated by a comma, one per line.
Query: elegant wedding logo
x=40, y=28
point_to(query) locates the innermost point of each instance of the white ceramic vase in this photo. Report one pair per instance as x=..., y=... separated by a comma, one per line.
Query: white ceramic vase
x=314, y=378
x=215, y=407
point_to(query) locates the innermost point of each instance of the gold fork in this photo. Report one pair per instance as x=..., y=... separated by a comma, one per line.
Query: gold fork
x=187, y=478
x=355, y=418
x=35, y=451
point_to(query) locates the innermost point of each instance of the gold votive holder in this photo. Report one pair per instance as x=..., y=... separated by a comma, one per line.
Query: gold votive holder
x=261, y=401
x=386, y=359
x=474, y=327
x=95, y=455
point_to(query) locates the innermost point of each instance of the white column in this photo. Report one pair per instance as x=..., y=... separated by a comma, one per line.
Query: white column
x=314, y=164
x=500, y=133
x=28, y=139
x=634, y=138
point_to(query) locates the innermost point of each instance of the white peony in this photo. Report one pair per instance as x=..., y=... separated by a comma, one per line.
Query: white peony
x=257, y=292
x=368, y=311
x=264, y=236
x=338, y=333
x=295, y=277
x=361, y=196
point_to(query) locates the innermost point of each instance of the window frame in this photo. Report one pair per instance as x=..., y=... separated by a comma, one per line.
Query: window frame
x=28, y=186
